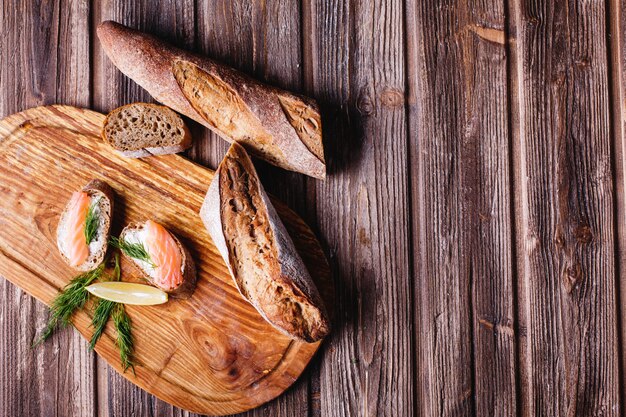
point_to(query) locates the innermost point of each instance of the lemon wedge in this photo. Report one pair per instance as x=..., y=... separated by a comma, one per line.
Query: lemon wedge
x=128, y=293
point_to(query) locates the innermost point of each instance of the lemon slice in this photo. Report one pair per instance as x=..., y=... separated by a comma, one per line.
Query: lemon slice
x=128, y=293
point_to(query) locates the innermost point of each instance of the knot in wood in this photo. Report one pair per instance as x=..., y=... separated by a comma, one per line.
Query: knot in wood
x=583, y=63
x=572, y=277
x=583, y=234
x=559, y=239
x=392, y=97
x=364, y=103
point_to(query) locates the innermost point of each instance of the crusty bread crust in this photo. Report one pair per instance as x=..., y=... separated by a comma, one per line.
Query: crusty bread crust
x=184, y=144
x=93, y=188
x=188, y=267
x=281, y=288
x=161, y=150
x=292, y=122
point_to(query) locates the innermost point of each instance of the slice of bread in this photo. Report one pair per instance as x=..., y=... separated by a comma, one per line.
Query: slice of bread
x=143, y=129
x=258, y=251
x=102, y=193
x=133, y=233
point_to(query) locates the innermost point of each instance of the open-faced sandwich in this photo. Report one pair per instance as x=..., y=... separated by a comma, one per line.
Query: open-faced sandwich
x=160, y=257
x=83, y=230
x=259, y=252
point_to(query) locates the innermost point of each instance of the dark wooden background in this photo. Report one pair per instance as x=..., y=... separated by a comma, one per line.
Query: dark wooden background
x=474, y=214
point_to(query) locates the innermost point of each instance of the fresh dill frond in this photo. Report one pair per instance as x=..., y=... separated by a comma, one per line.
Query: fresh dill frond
x=72, y=298
x=103, y=309
x=101, y=315
x=91, y=222
x=134, y=250
x=123, y=327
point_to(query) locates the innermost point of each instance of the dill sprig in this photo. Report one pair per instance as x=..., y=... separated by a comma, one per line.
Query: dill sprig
x=91, y=222
x=123, y=326
x=72, y=298
x=101, y=315
x=134, y=250
x=124, y=337
x=103, y=309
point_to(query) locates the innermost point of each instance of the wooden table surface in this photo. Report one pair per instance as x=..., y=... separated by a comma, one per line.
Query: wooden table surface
x=474, y=215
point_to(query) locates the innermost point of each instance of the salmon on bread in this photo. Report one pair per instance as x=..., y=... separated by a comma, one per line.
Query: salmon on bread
x=84, y=226
x=160, y=257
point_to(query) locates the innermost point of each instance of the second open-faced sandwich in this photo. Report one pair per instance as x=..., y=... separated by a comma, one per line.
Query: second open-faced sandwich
x=160, y=257
x=83, y=230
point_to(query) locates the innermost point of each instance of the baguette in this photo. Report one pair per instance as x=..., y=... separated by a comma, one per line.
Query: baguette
x=283, y=128
x=134, y=233
x=258, y=251
x=137, y=130
x=70, y=231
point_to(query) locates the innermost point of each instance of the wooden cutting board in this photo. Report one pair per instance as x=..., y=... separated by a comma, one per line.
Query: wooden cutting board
x=211, y=354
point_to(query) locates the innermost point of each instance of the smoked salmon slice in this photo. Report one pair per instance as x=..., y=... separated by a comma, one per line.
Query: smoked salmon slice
x=164, y=254
x=76, y=243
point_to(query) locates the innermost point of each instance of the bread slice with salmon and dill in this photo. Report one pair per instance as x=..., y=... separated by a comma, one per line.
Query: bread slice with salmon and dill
x=84, y=226
x=137, y=130
x=160, y=257
x=258, y=251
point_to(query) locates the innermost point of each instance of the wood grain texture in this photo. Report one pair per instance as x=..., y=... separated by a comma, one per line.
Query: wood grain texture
x=44, y=43
x=462, y=232
x=356, y=69
x=212, y=353
x=567, y=289
x=617, y=30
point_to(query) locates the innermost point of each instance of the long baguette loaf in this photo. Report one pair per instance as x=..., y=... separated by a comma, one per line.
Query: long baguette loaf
x=258, y=251
x=283, y=128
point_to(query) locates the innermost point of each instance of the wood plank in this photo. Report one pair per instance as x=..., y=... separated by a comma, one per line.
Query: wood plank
x=566, y=229
x=263, y=40
x=355, y=67
x=174, y=21
x=462, y=234
x=211, y=353
x=617, y=28
x=44, y=59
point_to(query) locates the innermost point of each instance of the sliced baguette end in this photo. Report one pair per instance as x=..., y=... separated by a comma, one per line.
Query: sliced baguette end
x=287, y=297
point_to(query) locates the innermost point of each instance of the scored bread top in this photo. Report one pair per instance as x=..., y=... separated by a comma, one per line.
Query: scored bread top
x=102, y=193
x=280, y=127
x=133, y=234
x=143, y=129
x=258, y=251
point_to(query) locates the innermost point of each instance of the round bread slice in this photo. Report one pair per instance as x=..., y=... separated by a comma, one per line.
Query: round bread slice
x=137, y=130
x=133, y=233
x=101, y=198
